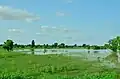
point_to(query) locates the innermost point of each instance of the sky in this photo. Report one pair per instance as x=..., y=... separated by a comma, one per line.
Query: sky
x=62, y=21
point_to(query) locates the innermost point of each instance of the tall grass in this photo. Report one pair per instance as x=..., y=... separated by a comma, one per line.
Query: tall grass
x=17, y=75
x=20, y=66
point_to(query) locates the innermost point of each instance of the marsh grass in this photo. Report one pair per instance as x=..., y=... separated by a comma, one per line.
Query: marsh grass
x=20, y=66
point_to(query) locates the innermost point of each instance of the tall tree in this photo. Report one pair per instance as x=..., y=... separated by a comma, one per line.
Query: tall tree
x=114, y=44
x=33, y=43
x=55, y=45
x=8, y=45
x=84, y=45
x=75, y=45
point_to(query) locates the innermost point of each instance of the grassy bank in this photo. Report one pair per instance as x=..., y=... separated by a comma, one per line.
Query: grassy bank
x=17, y=65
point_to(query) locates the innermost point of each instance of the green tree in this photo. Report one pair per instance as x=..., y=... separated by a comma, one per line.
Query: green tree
x=33, y=43
x=8, y=45
x=62, y=45
x=96, y=47
x=55, y=45
x=88, y=47
x=106, y=46
x=75, y=45
x=15, y=45
x=114, y=44
x=84, y=45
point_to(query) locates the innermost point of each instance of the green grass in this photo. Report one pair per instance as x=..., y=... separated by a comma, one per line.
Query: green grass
x=21, y=66
x=112, y=57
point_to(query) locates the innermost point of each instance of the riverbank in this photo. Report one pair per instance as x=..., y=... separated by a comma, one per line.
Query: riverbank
x=51, y=66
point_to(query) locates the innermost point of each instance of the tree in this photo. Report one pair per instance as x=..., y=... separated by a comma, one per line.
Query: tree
x=88, y=47
x=47, y=45
x=96, y=47
x=15, y=45
x=75, y=45
x=114, y=44
x=62, y=45
x=33, y=43
x=8, y=45
x=55, y=45
x=106, y=46
x=84, y=45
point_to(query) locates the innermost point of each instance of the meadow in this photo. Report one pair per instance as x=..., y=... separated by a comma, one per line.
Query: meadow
x=14, y=65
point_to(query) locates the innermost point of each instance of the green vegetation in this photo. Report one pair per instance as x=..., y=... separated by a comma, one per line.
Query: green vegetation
x=8, y=45
x=114, y=44
x=50, y=66
x=57, y=46
x=15, y=65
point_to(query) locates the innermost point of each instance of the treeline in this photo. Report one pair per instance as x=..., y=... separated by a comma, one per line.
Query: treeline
x=113, y=44
x=57, y=45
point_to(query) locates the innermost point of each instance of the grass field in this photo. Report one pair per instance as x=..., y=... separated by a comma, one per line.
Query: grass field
x=21, y=66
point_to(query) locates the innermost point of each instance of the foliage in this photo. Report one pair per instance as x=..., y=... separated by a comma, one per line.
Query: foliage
x=17, y=65
x=33, y=43
x=62, y=45
x=55, y=45
x=8, y=45
x=114, y=44
x=18, y=75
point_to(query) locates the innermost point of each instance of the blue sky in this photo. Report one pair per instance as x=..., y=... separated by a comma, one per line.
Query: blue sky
x=68, y=21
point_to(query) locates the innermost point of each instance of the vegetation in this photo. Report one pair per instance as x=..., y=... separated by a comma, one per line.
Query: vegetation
x=33, y=43
x=114, y=44
x=8, y=45
x=17, y=65
x=58, y=46
x=53, y=66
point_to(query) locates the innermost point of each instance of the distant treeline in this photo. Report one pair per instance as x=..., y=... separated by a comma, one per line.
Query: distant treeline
x=62, y=45
x=113, y=44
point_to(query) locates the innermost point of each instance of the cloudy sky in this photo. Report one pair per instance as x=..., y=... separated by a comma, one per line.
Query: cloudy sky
x=68, y=21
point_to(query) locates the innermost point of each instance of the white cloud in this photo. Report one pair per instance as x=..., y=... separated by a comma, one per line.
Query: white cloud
x=8, y=13
x=44, y=26
x=15, y=30
x=48, y=29
x=38, y=33
x=59, y=34
x=60, y=14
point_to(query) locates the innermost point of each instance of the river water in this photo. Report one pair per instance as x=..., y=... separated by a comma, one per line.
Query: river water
x=92, y=55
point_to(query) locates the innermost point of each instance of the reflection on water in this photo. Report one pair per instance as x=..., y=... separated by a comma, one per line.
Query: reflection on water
x=32, y=51
x=96, y=51
x=87, y=54
x=90, y=55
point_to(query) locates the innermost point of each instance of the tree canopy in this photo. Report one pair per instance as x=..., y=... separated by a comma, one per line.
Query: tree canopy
x=8, y=45
x=114, y=44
